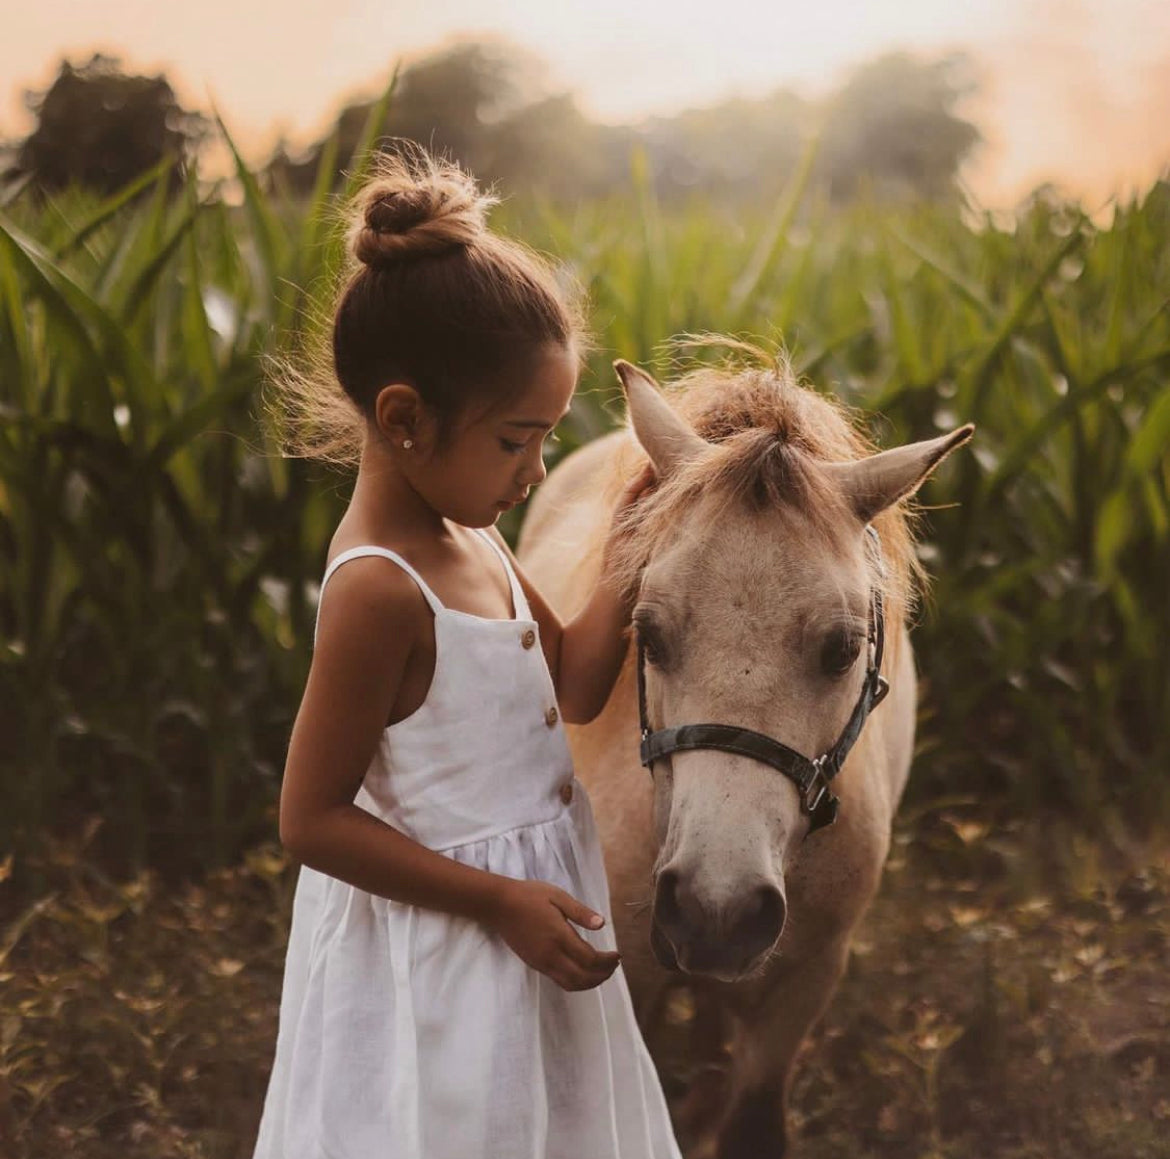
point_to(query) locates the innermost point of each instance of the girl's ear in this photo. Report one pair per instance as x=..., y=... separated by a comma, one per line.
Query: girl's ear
x=401, y=415
x=665, y=435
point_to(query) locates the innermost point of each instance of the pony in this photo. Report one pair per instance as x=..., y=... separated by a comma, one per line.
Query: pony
x=752, y=575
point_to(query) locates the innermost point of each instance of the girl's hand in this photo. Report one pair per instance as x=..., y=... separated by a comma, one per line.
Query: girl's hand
x=644, y=480
x=533, y=919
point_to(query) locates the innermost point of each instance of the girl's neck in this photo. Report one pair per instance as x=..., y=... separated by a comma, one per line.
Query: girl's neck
x=386, y=506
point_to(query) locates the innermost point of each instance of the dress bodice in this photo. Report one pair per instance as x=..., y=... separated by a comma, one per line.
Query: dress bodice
x=486, y=750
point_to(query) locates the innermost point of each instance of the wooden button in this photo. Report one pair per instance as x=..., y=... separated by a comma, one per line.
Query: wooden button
x=567, y=792
x=528, y=639
x=550, y=717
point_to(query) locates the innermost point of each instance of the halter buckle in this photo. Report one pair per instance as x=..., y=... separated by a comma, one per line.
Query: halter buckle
x=818, y=785
x=881, y=688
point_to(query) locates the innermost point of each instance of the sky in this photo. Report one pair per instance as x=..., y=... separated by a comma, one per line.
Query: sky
x=1074, y=91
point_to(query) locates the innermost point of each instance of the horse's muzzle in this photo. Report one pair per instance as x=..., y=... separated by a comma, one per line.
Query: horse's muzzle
x=727, y=941
x=662, y=948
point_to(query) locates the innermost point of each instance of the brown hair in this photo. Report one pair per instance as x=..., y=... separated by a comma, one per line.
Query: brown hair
x=428, y=296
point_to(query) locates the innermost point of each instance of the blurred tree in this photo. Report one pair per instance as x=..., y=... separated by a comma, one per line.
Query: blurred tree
x=551, y=147
x=100, y=127
x=739, y=149
x=451, y=101
x=893, y=127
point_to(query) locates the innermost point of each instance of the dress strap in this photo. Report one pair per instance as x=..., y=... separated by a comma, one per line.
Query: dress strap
x=372, y=549
x=519, y=603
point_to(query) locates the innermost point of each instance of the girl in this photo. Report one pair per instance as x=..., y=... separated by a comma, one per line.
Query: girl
x=452, y=988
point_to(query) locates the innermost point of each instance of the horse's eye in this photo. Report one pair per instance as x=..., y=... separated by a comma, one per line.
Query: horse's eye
x=839, y=653
x=651, y=640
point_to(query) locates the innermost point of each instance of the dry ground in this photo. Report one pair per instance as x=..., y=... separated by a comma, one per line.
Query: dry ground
x=1009, y=997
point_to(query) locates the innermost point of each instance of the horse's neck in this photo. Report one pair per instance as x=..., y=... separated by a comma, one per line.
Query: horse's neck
x=567, y=522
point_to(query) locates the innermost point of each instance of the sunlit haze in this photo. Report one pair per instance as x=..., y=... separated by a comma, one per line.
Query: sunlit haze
x=1072, y=91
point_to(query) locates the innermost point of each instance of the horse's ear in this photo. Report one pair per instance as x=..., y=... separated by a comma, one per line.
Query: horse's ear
x=877, y=482
x=665, y=435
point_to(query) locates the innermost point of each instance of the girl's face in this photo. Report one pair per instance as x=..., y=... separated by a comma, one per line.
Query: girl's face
x=494, y=459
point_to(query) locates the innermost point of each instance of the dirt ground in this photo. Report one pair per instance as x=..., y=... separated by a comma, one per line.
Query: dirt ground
x=1008, y=996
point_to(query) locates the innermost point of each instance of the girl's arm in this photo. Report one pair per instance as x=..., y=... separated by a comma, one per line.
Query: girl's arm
x=367, y=630
x=586, y=654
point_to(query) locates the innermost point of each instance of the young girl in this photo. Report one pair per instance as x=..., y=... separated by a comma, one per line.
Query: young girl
x=452, y=988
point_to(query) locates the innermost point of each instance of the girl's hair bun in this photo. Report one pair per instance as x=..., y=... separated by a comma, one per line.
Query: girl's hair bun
x=416, y=205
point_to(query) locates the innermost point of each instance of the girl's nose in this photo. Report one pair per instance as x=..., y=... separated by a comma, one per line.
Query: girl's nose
x=535, y=472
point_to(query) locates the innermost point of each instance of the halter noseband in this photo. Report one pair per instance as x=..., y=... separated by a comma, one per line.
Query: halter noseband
x=811, y=777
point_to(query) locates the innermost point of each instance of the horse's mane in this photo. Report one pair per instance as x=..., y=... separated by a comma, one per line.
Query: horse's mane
x=768, y=432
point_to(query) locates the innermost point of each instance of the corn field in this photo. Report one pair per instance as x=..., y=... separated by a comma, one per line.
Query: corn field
x=159, y=561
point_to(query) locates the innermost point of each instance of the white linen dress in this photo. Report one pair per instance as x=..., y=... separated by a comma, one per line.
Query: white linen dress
x=408, y=1033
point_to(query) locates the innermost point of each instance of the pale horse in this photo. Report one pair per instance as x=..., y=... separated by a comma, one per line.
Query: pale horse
x=754, y=580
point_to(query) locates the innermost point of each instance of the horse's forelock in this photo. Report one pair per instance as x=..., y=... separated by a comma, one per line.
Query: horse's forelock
x=767, y=433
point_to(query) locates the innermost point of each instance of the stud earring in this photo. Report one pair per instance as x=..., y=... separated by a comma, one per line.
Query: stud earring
x=408, y=443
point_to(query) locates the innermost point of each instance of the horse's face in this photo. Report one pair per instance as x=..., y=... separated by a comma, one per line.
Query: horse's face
x=756, y=618
x=755, y=622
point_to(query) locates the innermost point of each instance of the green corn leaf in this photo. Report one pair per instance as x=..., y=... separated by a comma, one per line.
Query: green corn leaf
x=144, y=282
x=267, y=233
x=1014, y=319
x=113, y=204
x=967, y=289
x=774, y=239
x=363, y=153
x=1151, y=443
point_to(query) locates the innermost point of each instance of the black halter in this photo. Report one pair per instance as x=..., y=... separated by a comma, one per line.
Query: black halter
x=811, y=777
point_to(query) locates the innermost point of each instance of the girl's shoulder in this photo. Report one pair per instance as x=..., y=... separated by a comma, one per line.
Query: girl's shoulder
x=368, y=595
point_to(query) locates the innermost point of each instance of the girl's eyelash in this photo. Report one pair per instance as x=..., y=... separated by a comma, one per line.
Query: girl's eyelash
x=515, y=448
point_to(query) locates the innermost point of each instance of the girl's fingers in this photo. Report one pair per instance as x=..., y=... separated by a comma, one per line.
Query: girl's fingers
x=577, y=911
x=580, y=951
x=570, y=976
x=640, y=483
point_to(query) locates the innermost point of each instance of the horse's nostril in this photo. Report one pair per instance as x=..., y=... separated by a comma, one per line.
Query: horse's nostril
x=666, y=908
x=761, y=919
